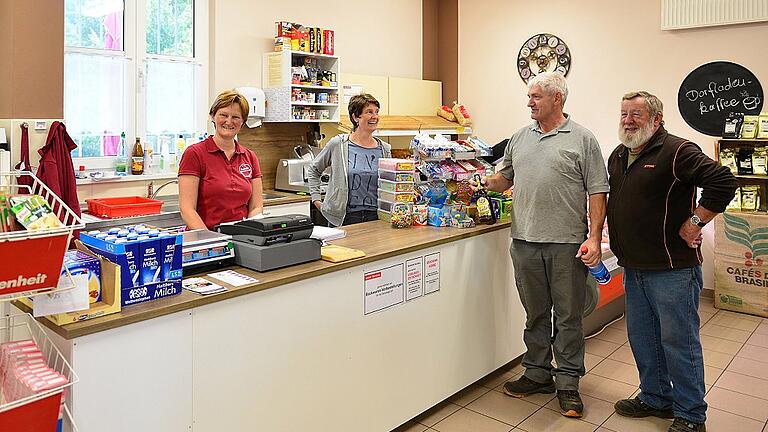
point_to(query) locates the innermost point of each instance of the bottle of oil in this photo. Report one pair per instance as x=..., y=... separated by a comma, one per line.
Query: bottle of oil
x=137, y=158
x=485, y=213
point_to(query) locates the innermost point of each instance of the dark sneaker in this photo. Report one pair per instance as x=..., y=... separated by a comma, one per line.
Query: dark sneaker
x=683, y=425
x=570, y=403
x=526, y=386
x=637, y=408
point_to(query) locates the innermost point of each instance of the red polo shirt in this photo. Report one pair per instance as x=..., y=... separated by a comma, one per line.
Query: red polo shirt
x=225, y=185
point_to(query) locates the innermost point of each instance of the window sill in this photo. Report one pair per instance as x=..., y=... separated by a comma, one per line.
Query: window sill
x=128, y=178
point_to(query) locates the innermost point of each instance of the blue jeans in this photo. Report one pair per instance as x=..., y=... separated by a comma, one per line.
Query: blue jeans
x=663, y=328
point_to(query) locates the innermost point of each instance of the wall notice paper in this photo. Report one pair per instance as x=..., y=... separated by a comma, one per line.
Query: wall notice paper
x=383, y=288
x=202, y=286
x=349, y=90
x=414, y=278
x=233, y=278
x=73, y=299
x=432, y=272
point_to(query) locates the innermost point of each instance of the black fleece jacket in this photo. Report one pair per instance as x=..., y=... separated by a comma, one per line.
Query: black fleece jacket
x=653, y=197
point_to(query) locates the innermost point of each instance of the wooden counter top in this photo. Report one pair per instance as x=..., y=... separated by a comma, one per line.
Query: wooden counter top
x=377, y=239
x=285, y=198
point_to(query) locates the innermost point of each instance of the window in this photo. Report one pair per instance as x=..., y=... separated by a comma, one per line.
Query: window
x=133, y=66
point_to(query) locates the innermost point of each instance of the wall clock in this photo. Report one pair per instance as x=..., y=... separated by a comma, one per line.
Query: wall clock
x=543, y=53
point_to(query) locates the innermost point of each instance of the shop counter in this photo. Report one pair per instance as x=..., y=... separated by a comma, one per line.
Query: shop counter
x=316, y=346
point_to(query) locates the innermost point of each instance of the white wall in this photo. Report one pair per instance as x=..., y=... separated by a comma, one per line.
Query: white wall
x=372, y=37
x=616, y=46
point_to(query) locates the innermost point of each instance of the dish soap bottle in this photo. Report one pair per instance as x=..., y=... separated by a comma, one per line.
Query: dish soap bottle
x=137, y=159
x=121, y=161
x=485, y=213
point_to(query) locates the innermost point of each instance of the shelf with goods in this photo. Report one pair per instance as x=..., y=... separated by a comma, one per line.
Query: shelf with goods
x=301, y=86
x=748, y=160
x=411, y=126
x=740, y=254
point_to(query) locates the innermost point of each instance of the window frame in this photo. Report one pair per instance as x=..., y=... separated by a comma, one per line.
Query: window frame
x=136, y=61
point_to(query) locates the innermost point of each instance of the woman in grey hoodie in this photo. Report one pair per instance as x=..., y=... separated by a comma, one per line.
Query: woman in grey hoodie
x=352, y=192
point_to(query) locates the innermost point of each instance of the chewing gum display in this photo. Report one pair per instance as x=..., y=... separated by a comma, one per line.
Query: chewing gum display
x=23, y=371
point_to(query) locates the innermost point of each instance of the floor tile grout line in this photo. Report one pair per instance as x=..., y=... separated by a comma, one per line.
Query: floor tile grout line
x=735, y=391
x=515, y=425
x=732, y=413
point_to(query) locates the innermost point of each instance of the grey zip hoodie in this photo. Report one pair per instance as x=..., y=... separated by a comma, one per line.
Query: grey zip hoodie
x=336, y=155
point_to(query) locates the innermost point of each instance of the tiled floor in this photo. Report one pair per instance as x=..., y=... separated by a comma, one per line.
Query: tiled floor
x=736, y=378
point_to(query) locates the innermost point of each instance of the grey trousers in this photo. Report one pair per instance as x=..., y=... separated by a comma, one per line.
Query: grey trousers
x=550, y=277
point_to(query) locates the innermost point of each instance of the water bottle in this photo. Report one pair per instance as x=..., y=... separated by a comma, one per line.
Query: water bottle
x=599, y=271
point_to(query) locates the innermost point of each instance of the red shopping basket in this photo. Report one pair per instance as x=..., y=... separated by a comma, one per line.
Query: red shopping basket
x=38, y=416
x=32, y=259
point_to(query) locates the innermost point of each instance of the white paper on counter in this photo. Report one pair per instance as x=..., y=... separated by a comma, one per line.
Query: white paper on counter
x=326, y=234
x=233, y=278
x=202, y=286
x=74, y=299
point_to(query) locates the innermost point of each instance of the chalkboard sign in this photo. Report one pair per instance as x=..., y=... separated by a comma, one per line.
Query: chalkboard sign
x=713, y=90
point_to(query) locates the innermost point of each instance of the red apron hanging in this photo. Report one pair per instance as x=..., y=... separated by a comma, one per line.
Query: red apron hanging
x=24, y=163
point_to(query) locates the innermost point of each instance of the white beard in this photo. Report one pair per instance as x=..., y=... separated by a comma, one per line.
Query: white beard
x=638, y=138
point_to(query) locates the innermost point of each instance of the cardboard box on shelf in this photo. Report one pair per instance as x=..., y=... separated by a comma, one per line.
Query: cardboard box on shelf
x=110, y=294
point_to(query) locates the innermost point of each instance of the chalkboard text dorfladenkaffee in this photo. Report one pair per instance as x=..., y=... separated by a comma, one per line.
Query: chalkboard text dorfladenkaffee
x=714, y=90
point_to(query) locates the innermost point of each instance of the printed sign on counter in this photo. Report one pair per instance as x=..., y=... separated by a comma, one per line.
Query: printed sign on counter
x=383, y=288
x=414, y=278
x=432, y=273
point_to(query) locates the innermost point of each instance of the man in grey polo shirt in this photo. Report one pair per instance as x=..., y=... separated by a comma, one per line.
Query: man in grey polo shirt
x=556, y=166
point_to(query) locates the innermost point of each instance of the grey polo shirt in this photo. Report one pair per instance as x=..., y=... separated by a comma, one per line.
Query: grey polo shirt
x=553, y=173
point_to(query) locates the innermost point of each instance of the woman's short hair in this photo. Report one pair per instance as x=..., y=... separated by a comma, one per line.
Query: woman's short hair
x=357, y=104
x=227, y=98
x=551, y=82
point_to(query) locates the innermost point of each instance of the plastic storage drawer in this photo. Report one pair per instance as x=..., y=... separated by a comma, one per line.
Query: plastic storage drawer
x=396, y=176
x=397, y=196
x=393, y=164
x=393, y=186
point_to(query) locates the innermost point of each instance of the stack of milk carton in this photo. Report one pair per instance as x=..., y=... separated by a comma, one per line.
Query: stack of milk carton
x=149, y=259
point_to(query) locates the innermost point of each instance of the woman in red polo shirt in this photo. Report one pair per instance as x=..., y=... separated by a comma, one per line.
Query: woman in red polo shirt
x=220, y=180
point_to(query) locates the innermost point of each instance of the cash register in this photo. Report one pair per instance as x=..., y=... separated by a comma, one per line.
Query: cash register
x=272, y=242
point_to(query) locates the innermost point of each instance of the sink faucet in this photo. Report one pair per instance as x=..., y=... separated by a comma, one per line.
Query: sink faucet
x=152, y=193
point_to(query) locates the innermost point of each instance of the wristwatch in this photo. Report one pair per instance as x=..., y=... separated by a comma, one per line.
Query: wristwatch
x=695, y=220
